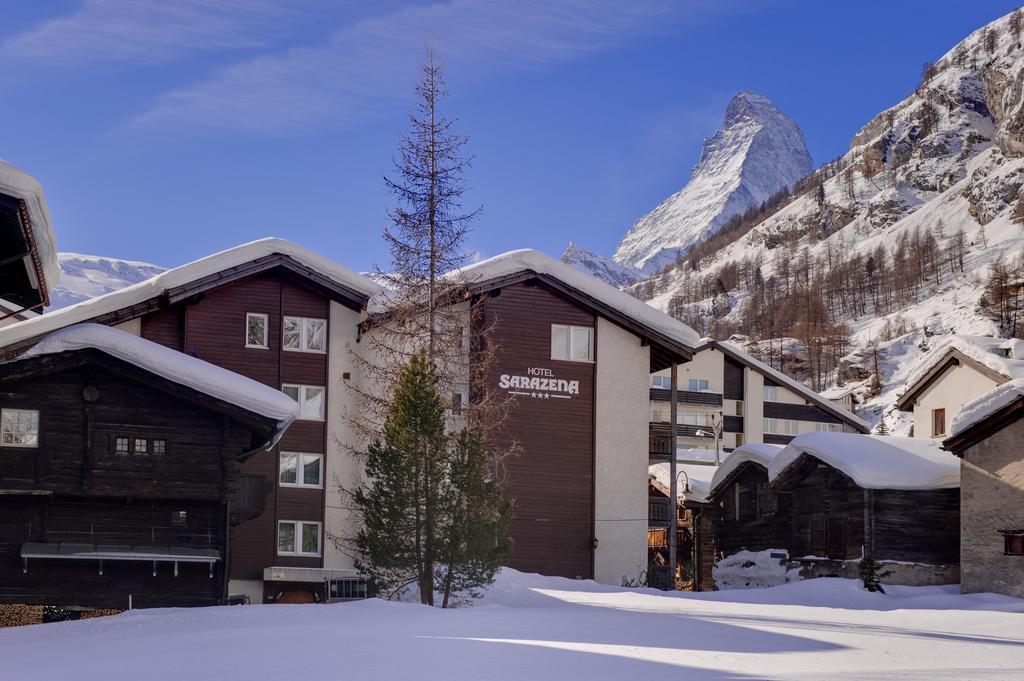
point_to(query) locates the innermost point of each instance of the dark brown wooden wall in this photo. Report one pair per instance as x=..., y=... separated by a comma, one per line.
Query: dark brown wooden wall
x=551, y=481
x=918, y=526
x=213, y=328
x=733, y=384
x=798, y=412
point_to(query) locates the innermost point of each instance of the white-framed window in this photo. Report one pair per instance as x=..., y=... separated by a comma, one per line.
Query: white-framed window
x=698, y=385
x=298, y=538
x=19, y=428
x=572, y=343
x=159, y=446
x=693, y=418
x=658, y=413
x=781, y=426
x=256, y=330
x=828, y=427
x=141, y=445
x=663, y=382
x=301, y=469
x=310, y=399
x=304, y=334
x=771, y=393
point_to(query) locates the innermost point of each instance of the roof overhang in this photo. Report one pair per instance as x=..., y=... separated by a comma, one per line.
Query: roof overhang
x=993, y=423
x=665, y=351
x=22, y=271
x=716, y=491
x=952, y=358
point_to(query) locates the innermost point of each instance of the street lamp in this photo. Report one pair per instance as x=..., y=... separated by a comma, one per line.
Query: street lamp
x=716, y=432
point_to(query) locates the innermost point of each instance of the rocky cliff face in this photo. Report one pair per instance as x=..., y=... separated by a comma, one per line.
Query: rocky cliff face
x=599, y=266
x=947, y=158
x=87, y=276
x=758, y=151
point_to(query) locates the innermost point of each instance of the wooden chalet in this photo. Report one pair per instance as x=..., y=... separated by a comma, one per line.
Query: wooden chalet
x=829, y=499
x=694, y=534
x=119, y=471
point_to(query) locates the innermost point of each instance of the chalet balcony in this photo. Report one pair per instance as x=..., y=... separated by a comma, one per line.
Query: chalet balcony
x=660, y=442
x=659, y=512
x=704, y=399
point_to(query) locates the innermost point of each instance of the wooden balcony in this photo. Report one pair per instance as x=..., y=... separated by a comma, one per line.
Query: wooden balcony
x=659, y=512
x=660, y=442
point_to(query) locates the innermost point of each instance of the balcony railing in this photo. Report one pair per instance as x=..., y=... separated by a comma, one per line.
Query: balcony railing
x=687, y=397
x=658, y=512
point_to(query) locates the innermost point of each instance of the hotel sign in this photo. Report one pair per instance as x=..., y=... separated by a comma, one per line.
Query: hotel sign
x=539, y=383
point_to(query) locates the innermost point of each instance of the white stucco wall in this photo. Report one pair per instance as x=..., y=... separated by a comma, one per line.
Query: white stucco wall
x=620, y=470
x=340, y=464
x=955, y=387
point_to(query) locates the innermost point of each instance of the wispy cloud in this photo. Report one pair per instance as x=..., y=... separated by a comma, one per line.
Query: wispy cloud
x=151, y=31
x=361, y=63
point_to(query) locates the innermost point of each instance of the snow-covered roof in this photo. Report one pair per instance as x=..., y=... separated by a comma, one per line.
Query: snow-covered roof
x=693, y=475
x=181, y=276
x=790, y=383
x=174, y=366
x=526, y=259
x=761, y=454
x=987, y=351
x=19, y=184
x=875, y=461
x=987, y=404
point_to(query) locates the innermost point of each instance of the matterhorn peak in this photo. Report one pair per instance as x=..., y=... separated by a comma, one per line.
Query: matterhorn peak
x=758, y=151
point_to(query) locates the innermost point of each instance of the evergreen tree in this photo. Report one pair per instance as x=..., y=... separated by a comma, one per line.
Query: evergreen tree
x=400, y=502
x=477, y=517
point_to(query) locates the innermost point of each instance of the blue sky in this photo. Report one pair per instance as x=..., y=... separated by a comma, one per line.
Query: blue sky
x=163, y=131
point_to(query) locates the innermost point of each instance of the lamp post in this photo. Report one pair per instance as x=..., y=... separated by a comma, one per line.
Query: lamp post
x=673, y=516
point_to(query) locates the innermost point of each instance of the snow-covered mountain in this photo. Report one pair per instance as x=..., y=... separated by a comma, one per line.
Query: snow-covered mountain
x=931, y=185
x=758, y=151
x=87, y=276
x=599, y=266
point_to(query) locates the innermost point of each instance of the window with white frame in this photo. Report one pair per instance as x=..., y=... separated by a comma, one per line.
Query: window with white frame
x=304, y=334
x=301, y=469
x=658, y=413
x=828, y=427
x=572, y=343
x=298, y=538
x=693, y=418
x=781, y=426
x=771, y=393
x=256, y=330
x=698, y=385
x=663, y=382
x=19, y=428
x=310, y=399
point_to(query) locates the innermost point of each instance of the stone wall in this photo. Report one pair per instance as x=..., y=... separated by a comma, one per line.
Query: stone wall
x=992, y=500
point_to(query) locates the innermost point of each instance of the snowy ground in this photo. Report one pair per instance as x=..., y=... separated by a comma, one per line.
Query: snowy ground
x=531, y=627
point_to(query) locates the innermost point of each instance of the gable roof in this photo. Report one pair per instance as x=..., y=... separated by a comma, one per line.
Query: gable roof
x=670, y=337
x=981, y=353
x=986, y=414
x=873, y=461
x=37, y=230
x=733, y=351
x=187, y=280
x=695, y=476
x=760, y=454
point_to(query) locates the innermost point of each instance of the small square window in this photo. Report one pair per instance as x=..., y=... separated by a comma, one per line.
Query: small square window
x=310, y=399
x=121, y=445
x=19, y=428
x=141, y=446
x=159, y=446
x=179, y=518
x=771, y=393
x=572, y=343
x=256, y=330
x=1013, y=543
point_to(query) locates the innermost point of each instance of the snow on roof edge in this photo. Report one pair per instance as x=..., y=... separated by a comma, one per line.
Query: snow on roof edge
x=19, y=184
x=762, y=454
x=181, y=275
x=978, y=348
x=792, y=383
x=519, y=260
x=875, y=461
x=172, y=365
x=986, y=404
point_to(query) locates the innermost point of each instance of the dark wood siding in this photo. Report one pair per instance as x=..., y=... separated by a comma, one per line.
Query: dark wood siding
x=213, y=328
x=551, y=481
x=82, y=491
x=732, y=387
x=798, y=412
